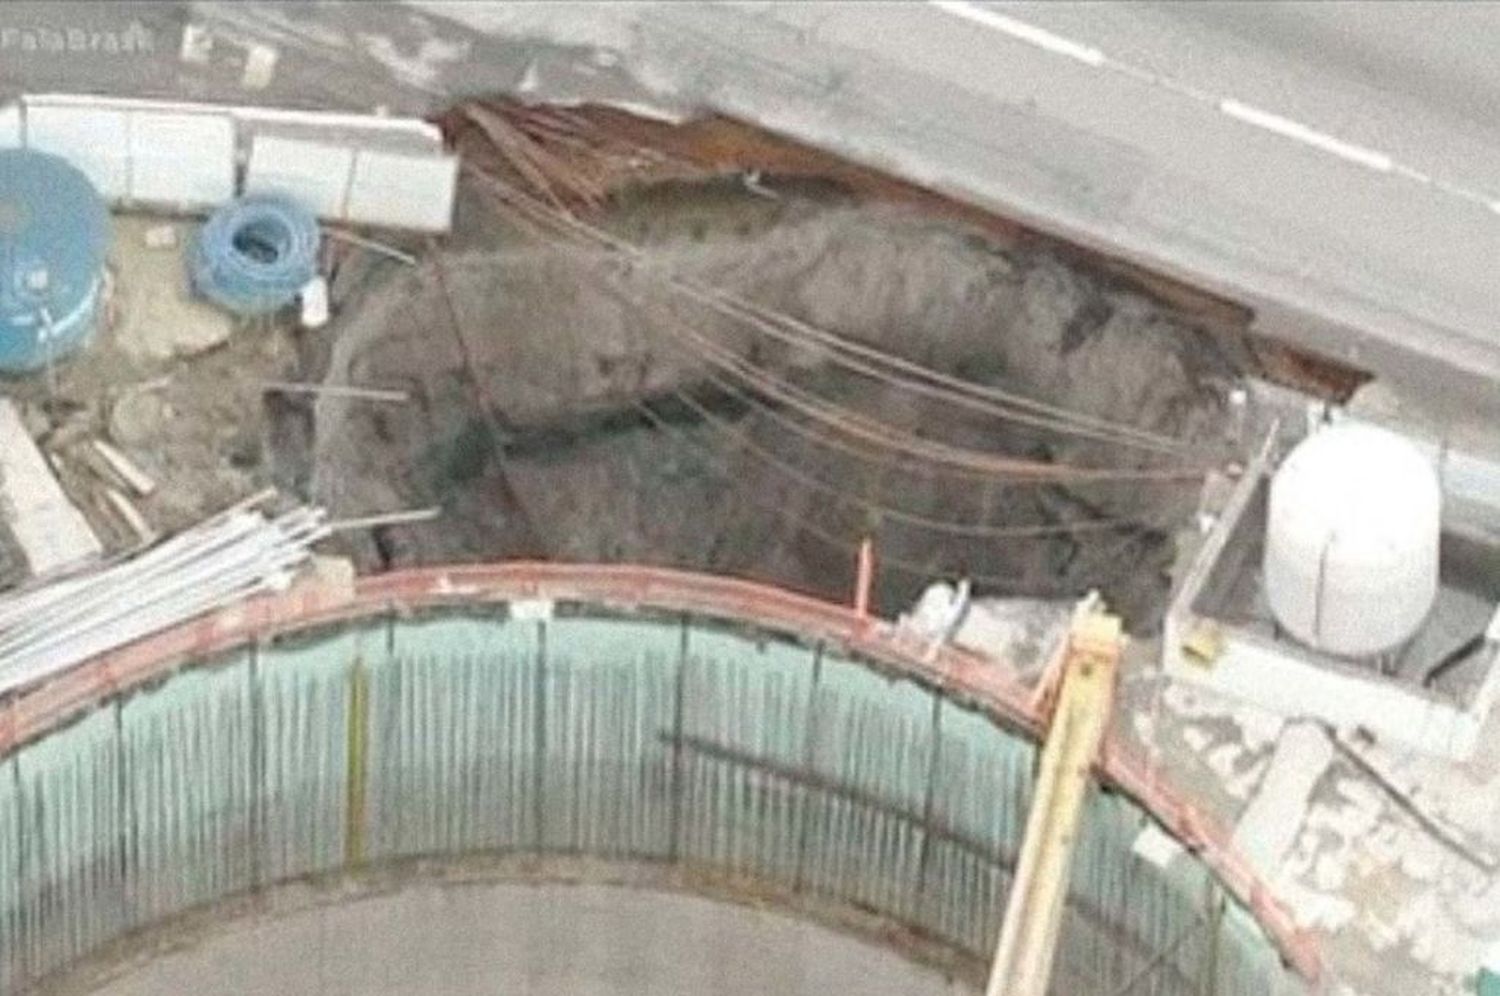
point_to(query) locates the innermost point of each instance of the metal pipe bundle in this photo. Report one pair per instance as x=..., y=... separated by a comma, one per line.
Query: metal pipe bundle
x=230, y=557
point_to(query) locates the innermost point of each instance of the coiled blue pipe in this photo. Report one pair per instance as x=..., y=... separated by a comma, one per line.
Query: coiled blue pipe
x=254, y=255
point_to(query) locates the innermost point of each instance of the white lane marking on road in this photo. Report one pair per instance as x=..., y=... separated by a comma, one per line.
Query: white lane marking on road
x=1415, y=175
x=1028, y=33
x=1286, y=127
x=1299, y=132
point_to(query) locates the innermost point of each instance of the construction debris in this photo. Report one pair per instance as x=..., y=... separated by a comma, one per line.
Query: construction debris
x=1409, y=799
x=46, y=629
x=52, y=533
x=315, y=306
x=402, y=518
x=374, y=245
x=160, y=237
x=131, y=516
x=128, y=471
x=1270, y=825
x=337, y=391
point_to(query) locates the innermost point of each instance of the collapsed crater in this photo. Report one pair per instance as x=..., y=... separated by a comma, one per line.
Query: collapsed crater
x=574, y=405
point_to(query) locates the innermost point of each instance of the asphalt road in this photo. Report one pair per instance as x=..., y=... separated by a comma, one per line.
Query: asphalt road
x=1402, y=243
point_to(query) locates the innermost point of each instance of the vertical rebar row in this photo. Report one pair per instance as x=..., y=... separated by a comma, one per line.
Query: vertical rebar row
x=732, y=752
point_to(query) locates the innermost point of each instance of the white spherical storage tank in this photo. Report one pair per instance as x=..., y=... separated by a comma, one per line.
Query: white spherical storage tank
x=1352, y=536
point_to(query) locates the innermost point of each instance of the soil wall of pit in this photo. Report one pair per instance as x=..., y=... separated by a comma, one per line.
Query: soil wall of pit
x=549, y=417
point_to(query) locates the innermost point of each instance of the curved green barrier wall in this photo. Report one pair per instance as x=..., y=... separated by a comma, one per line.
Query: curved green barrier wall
x=659, y=738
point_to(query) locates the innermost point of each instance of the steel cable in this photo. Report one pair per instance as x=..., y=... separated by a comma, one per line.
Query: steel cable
x=846, y=545
x=881, y=435
x=812, y=483
x=864, y=359
x=884, y=435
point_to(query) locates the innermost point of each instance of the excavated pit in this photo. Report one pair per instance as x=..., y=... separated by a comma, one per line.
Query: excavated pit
x=594, y=428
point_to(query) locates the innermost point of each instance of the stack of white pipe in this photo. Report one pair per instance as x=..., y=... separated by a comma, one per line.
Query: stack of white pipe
x=240, y=553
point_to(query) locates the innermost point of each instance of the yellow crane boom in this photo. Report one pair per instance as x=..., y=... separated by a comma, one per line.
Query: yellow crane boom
x=1033, y=914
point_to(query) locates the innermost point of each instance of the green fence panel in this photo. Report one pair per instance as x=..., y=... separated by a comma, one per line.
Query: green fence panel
x=71, y=867
x=452, y=745
x=873, y=750
x=191, y=789
x=606, y=709
x=302, y=689
x=981, y=792
x=742, y=793
x=12, y=964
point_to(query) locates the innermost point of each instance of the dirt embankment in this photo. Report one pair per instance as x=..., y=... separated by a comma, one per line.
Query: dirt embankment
x=573, y=438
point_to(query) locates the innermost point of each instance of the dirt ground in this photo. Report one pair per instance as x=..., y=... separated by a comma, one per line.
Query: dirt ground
x=565, y=346
x=169, y=381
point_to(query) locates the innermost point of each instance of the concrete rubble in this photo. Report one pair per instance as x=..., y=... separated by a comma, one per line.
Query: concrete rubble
x=1268, y=827
x=1396, y=907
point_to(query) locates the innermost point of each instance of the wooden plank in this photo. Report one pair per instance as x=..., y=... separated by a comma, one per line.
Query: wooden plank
x=51, y=531
x=1033, y=914
x=125, y=468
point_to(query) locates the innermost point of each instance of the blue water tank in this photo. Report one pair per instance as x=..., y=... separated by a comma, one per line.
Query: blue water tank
x=54, y=233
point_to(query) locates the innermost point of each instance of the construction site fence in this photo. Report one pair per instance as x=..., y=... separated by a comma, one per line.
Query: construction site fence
x=576, y=728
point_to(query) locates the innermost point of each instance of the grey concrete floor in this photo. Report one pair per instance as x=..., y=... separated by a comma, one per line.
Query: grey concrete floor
x=529, y=940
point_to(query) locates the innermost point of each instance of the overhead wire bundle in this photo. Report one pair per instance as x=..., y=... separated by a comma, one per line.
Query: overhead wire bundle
x=862, y=358
x=825, y=423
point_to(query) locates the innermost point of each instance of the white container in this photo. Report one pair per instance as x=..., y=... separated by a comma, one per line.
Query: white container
x=314, y=298
x=1352, y=535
